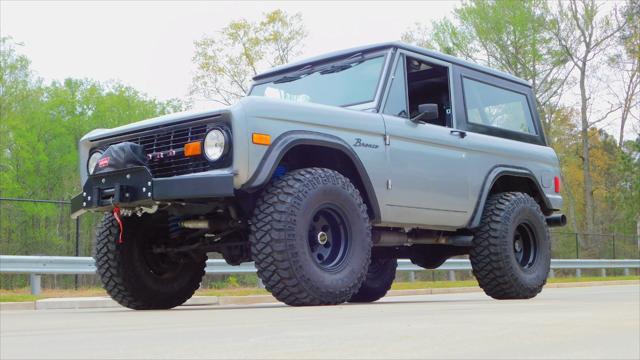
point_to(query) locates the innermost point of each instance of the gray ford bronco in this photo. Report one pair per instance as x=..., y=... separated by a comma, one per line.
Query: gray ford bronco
x=325, y=174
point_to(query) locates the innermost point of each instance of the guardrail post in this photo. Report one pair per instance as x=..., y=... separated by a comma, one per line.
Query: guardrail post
x=552, y=273
x=34, y=280
x=613, y=236
x=412, y=276
x=452, y=275
x=260, y=283
x=77, y=247
x=603, y=272
x=626, y=271
x=578, y=273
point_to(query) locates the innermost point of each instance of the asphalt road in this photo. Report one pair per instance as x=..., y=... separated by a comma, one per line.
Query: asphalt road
x=595, y=322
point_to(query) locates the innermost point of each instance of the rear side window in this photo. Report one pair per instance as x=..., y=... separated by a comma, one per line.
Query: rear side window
x=497, y=107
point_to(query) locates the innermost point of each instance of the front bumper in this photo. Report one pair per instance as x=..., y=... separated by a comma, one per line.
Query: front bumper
x=135, y=187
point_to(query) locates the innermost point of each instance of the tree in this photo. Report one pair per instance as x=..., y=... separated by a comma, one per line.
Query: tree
x=40, y=126
x=16, y=82
x=584, y=35
x=512, y=36
x=227, y=62
x=626, y=65
x=557, y=47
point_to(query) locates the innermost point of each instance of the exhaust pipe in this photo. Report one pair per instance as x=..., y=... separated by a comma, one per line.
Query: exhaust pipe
x=195, y=224
x=556, y=220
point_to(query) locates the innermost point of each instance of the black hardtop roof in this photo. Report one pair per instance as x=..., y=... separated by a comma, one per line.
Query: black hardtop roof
x=386, y=45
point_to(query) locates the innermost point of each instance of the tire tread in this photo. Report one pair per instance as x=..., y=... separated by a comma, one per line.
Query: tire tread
x=271, y=227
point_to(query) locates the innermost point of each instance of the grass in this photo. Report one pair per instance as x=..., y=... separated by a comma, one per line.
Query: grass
x=432, y=284
x=10, y=296
x=232, y=292
x=21, y=295
x=25, y=295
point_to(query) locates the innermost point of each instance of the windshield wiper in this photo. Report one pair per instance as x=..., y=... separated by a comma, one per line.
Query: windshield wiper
x=336, y=68
x=348, y=63
x=286, y=78
x=296, y=75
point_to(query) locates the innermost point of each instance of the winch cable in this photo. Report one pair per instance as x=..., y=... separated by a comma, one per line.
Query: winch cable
x=116, y=215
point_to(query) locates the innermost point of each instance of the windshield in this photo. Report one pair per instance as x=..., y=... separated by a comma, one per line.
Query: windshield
x=342, y=83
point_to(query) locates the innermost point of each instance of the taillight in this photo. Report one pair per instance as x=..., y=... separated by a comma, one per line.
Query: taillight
x=556, y=184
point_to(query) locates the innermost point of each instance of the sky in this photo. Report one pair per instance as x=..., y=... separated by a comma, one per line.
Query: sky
x=149, y=45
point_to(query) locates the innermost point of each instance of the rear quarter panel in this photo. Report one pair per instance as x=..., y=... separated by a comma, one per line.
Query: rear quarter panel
x=485, y=152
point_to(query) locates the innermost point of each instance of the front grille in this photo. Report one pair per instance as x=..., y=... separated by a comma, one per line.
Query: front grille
x=172, y=139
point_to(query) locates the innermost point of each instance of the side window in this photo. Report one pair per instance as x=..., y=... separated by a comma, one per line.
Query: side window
x=397, y=98
x=428, y=83
x=496, y=107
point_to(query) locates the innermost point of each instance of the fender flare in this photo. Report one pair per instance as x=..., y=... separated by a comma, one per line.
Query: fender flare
x=286, y=141
x=490, y=179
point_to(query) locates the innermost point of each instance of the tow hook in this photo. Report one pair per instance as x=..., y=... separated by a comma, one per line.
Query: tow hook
x=116, y=215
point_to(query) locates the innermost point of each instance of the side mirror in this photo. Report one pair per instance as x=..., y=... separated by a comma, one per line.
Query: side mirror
x=427, y=112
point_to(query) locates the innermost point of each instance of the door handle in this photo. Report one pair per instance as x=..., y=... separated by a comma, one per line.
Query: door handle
x=460, y=133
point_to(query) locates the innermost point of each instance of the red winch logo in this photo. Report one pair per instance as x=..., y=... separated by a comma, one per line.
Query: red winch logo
x=103, y=162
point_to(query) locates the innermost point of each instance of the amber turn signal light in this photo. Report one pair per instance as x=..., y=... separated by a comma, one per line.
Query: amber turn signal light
x=193, y=148
x=261, y=139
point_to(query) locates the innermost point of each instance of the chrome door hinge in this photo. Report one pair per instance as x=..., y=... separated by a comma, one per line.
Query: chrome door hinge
x=387, y=140
x=388, y=184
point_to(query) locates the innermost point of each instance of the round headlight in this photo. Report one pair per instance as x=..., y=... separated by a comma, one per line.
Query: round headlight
x=93, y=160
x=215, y=144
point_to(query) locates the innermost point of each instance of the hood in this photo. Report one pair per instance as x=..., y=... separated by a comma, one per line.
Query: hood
x=157, y=122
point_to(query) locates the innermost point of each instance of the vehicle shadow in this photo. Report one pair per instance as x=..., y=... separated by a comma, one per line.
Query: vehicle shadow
x=281, y=305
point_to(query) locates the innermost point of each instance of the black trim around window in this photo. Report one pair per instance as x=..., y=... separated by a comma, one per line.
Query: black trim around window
x=382, y=76
x=537, y=138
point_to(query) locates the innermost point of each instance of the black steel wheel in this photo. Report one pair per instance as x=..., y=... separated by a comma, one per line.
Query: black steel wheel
x=328, y=237
x=525, y=245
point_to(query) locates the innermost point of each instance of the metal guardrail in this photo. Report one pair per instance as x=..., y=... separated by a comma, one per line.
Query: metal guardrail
x=71, y=265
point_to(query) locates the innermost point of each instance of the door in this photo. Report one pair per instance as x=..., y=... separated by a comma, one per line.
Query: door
x=427, y=181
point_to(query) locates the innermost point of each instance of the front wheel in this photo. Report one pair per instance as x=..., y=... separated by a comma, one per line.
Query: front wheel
x=511, y=252
x=135, y=276
x=311, y=238
x=379, y=279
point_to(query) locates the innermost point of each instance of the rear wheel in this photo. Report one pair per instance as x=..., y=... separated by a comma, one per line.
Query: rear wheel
x=379, y=279
x=134, y=275
x=511, y=251
x=311, y=238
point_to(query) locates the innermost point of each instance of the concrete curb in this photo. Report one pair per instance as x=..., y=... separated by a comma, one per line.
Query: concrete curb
x=106, y=302
x=592, y=283
x=75, y=303
x=22, y=305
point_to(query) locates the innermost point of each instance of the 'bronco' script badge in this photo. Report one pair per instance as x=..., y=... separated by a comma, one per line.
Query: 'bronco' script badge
x=360, y=143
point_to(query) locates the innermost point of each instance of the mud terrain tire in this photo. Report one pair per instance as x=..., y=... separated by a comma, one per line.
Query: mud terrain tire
x=311, y=238
x=133, y=276
x=511, y=252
